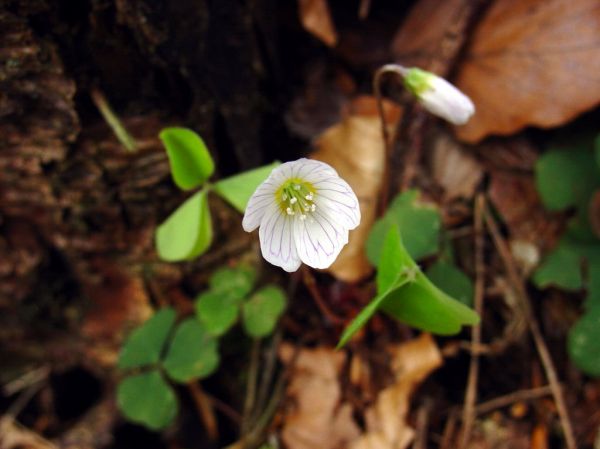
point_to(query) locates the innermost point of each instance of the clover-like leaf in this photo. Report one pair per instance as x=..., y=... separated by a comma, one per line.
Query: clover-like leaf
x=560, y=268
x=217, y=310
x=187, y=233
x=411, y=297
x=238, y=189
x=191, y=163
x=239, y=280
x=584, y=343
x=451, y=280
x=147, y=399
x=566, y=178
x=192, y=354
x=420, y=224
x=144, y=345
x=262, y=310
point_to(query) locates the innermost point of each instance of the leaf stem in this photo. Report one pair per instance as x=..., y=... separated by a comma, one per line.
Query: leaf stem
x=113, y=120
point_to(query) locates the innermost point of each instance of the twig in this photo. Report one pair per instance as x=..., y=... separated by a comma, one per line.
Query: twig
x=311, y=285
x=268, y=372
x=511, y=398
x=534, y=328
x=471, y=393
x=26, y=380
x=364, y=8
x=422, y=425
x=225, y=408
x=449, y=428
x=113, y=120
x=249, y=402
x=205, y=409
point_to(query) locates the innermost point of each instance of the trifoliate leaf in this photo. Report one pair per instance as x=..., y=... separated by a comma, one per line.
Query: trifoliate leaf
x=419, y=223
x=191, y=163
x=239, y=281
x=192, y=354
x=145, y=344
x=560, y=268
x=217, y=310
x=147, y=399
x=584, y=343
x=452, y=281
x=238, y=189
x=566, y=178
x=187, y=233
x=262, y=310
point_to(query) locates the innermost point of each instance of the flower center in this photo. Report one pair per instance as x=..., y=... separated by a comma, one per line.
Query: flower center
x=296, y=197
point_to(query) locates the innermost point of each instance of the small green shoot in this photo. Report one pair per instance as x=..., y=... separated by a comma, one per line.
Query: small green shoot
x=405, y=293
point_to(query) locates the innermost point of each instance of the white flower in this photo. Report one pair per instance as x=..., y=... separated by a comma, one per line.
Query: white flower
x=304, y=210
x=438, y=96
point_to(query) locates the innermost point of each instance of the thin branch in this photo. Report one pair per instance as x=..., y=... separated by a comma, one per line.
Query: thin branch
x=471, y=392
x=250, y=400
x=534, y=328
x=311, y=285
x=511, y=398
x=205, y=409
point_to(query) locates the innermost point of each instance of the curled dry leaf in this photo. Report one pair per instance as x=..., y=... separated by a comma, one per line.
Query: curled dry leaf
x=454, y=169
x=355, y=148
x=316, y=19
x=318, y=420
x=386, y=423
x=531, y=62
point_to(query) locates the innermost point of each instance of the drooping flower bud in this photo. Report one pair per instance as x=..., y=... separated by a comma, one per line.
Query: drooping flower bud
x=438, y=96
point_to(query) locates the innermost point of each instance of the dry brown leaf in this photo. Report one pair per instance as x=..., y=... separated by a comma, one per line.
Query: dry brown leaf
x=532, y=62
x=412, y=362
x=418, y=40
x=15, y=436
x=454, y=169
x=318, y=420
x=316, y=19
x=354, y=147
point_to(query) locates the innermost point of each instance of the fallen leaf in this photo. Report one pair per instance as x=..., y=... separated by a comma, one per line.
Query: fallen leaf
x=355, y=148
x=531, y=63
x=386, y=423
x=318, y=419
x=316, y=19
x=454, y=169
x=15, y=436
x=418, y=40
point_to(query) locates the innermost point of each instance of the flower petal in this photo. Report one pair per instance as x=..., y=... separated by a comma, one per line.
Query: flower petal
x=261, y=199
x=337, y=198
x=319, y=240
x=276, y=239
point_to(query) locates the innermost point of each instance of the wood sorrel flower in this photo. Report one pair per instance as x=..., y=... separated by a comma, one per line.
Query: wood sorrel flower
x=304, y=210
x=438, y=96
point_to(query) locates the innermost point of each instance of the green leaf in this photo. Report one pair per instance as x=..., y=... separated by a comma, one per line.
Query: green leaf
x=145, y=344
x=147, y=399
x=239, y=281
x=566, y=178
x=422, y=305
x=217, y=310
x=419, y=223
x=238, y=189
x=451, y=280
x=584, y=343
x=411, y=297
x=191, y=163
x=262, y=311
x=592, y=300
x=187, y=233
x=396, y=269
x=193, y=353
x=560, y=268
